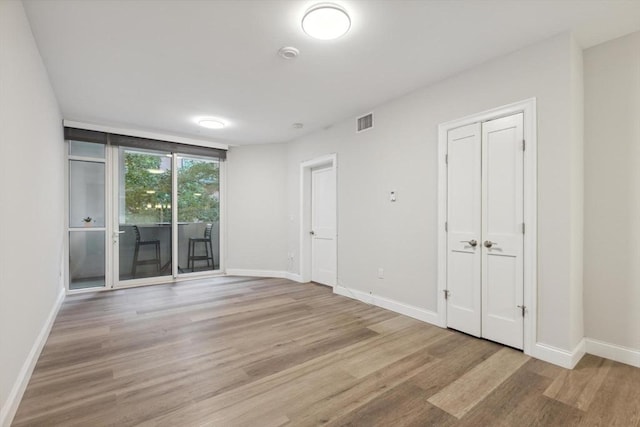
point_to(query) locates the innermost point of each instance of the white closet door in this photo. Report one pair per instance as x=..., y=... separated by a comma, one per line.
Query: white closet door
x=464, y=226
x=502, y=232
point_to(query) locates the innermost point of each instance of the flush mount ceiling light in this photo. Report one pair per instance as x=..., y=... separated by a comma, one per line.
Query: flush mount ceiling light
x=326, y=21
x=211, y=123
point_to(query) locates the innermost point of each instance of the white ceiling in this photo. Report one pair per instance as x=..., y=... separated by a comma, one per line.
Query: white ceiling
x=156, y=65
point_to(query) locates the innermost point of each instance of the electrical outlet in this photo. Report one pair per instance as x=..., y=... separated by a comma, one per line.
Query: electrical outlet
x=380, y=273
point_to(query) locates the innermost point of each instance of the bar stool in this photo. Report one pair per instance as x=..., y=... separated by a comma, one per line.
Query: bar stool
x=151, y=261
x=208, y=248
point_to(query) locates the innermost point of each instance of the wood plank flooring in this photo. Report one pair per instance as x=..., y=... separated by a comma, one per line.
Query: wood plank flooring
x=238, y=351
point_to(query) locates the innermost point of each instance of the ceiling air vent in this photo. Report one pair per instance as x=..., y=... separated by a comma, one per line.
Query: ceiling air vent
x=365, y=123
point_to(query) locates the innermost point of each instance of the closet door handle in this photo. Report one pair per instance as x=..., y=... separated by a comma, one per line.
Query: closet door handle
x=489, y=243
x=471, y=243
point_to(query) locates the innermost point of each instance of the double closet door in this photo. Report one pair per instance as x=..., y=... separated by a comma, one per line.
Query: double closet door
x=485, y=230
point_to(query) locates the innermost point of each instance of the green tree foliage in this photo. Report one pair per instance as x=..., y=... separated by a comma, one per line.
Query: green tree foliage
x=198, y=189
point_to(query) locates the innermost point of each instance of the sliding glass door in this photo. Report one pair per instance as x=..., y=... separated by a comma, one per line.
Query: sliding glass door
x=198, y=214
x=144, y=216
x=141, y=215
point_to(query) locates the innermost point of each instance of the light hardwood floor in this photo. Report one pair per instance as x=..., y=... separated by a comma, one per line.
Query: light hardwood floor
x=236, y=351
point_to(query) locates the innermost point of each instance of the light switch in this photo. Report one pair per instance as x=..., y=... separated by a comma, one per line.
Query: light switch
x=392, y=196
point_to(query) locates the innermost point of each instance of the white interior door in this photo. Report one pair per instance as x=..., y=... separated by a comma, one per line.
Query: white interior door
x=502, y=230
x=323, y=226
x=464, y=229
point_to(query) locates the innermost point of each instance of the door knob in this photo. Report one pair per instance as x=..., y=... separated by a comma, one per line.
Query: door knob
x=471, y=243
x=489, y=243
x=312, y=232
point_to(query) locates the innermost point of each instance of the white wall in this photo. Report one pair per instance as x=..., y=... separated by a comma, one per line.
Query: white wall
x=612, y=192
x=400, y=154
x=31, y=185
x=256, y=208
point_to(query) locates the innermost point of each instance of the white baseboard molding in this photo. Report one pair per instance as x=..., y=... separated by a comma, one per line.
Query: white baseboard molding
x=558, y=356
x=294, y=276
x=264, y=273
x=615, y=352
x=389, y=304
x=9, y=408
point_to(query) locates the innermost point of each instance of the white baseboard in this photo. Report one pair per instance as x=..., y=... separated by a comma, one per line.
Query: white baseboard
x=389, y=304
x=294, y=276
x=615, y=352
x=264, y=273
x=256, y=273
x=558, y=356
x=8, y=409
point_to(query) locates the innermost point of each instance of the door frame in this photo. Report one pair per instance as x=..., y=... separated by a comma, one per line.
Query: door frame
x=330, y=161
x=530, y=283
x=175, y=275
x=107, y=227
x=112, y=281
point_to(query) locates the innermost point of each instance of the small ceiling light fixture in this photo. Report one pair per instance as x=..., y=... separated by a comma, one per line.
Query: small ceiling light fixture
x=326, y=21
x=211, y=123
x=288, y=52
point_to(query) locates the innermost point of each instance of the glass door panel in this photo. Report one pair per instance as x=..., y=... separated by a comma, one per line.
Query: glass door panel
x=86, y=194
x=86, y=259
x=144, y=213
x=198, y=214
x=86, y=221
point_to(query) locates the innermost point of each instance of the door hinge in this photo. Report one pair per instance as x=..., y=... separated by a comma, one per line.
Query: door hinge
x=446, y=226
x=446, y=293
x=446, y=159
x=523, y=228
x=524, y=144
x=523, y=308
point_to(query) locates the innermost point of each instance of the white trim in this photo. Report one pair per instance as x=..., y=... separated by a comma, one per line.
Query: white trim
x=389, y=304
x=222, y=216
x=277, y=274
x=304, y=254
x=86, y=159
x=174, y=217
x=67, y=276
x=112, y=182
x=528, y=107
x=145, y=134
x=264, y=273
x=619, y=353
x=293, y=276
x=558, y=356
x=8, y=409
